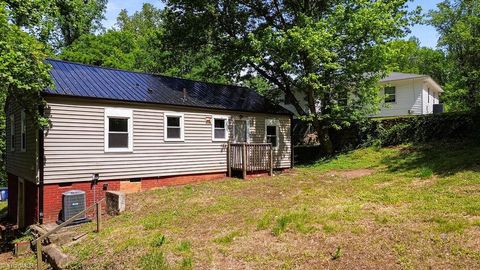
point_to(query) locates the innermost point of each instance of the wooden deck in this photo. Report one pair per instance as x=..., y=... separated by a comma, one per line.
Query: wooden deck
x=249, y=157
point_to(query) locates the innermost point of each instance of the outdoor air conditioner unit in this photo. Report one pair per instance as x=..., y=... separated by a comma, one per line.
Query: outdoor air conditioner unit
x=73, y=203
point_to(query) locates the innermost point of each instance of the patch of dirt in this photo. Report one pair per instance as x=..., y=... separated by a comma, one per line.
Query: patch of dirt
x=419, y=183
x=352, y=173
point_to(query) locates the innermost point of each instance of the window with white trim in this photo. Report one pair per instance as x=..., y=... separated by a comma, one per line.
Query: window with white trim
x=23, y=132
x=118, y=130
x=271, y=132
x=219, y=128
x=173, y=123
x=12, y=132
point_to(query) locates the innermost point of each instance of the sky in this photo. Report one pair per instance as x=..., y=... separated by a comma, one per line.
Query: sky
x=427, y=34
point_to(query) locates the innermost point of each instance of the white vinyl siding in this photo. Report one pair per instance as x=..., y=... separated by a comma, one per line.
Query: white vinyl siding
x=408, y=99
x=74, y=147
x=21, y=163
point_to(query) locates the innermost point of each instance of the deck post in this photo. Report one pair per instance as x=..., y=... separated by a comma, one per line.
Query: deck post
x=39, y=255
x=98, y=208
x=271, y=161
x=244, y=161
x=229, y=167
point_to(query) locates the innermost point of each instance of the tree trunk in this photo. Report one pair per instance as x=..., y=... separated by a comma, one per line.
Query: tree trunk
x=323, y=132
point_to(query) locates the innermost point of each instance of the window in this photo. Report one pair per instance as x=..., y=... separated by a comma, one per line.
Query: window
x=389, y=94
x=271, y=131
x=173, y=127
x=219, y=128
x=23, y=134
x=118, y=130
x=12, y=132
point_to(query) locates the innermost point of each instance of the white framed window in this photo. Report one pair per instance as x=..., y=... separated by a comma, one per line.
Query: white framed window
x=118, y=130
x=241, y=130
x=272, y=132
x=12, y=132
x=23, y=132
x=219, y=128
x=390, y=94
x=173, y=127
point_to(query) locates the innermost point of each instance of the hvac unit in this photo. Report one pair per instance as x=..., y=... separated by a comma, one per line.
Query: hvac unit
x=73, y=203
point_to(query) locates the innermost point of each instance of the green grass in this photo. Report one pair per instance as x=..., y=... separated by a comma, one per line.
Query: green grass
x=418, y=208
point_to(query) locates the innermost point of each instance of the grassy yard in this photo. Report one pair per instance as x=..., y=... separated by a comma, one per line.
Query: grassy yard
x=409, y=207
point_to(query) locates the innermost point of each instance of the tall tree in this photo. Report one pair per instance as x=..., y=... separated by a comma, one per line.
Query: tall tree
x=58, y=22
x=331, y=52
x=458, y=22
x=23, y=73
x=137, y=42
x=410, y=57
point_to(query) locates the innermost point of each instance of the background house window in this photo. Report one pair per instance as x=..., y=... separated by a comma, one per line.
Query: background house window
x=23, y=134
x=12, y=132
x=390, y=94
x=118, y=130
x=220, y=128
x=173, y=127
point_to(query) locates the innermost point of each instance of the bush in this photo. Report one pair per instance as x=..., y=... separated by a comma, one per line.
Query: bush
x=392, y=131
x=425, y=128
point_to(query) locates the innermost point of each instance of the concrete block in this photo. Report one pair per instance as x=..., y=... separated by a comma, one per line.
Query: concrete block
x=115, y=202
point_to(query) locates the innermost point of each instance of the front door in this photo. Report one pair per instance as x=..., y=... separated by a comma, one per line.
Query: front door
x=21, y=203
x=240, y=131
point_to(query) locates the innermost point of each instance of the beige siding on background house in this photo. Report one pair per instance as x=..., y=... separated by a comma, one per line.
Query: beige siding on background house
x=74, y=144
x=22, y=164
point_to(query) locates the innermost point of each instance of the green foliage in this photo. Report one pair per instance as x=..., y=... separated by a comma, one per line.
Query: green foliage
x=116, y=49
x=447, y=126
x=23, y=74
x=409, y=57
x=320, y=51
x=58, y=23
x=458, y=22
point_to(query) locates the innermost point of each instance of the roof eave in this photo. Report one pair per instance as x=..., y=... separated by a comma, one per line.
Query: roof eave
x=45, y=94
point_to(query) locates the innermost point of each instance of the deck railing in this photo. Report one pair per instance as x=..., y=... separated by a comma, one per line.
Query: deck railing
x=249, y=157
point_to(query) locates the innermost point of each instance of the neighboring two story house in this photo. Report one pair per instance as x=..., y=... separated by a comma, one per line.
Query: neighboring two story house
x=408, y=94
x=402, y=94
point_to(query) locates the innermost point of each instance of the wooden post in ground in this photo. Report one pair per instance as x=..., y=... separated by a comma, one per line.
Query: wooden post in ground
x=229, y=166
x=39, y=255
x=244, y=161
x=98, y=208
x=271, y=161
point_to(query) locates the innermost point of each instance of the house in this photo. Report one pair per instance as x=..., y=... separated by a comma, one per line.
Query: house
x=408, y=94
x=401, y=94
x=133, y=130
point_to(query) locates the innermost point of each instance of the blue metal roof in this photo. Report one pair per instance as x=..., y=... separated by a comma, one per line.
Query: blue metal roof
x=80, y=80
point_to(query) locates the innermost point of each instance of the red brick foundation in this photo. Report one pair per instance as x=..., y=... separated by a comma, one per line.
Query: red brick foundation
x=52, y=202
